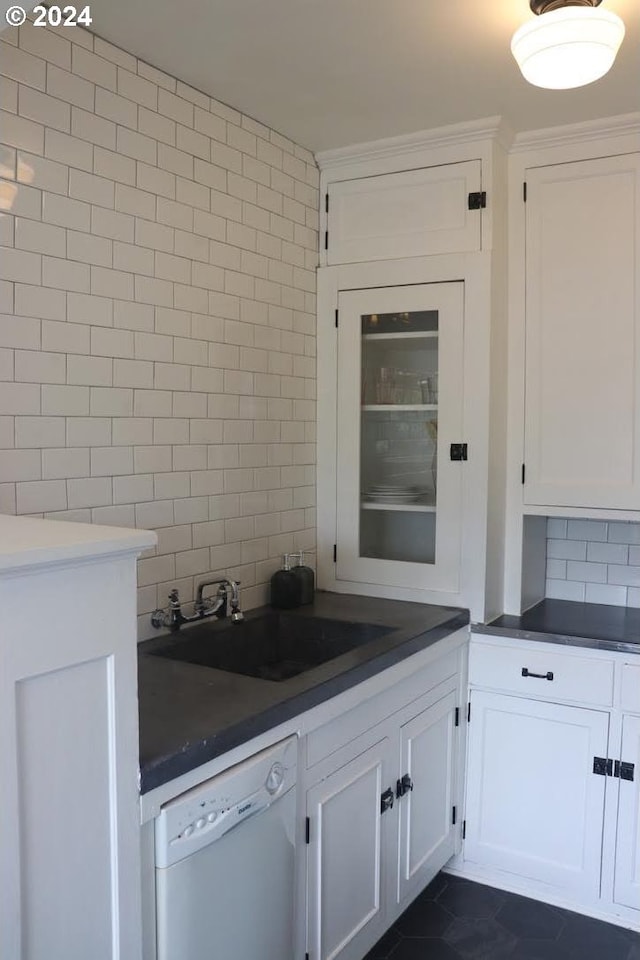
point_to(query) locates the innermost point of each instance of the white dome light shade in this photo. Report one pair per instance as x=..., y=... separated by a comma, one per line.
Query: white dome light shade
x=567, y=47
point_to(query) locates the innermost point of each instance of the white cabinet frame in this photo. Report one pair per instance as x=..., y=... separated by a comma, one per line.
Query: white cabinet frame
x=474, y=270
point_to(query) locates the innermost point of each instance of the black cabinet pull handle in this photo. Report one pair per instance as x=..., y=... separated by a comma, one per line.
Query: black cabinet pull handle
x=539, y=676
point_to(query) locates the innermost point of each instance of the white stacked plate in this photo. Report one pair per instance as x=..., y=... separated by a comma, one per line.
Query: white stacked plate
x=391, y=493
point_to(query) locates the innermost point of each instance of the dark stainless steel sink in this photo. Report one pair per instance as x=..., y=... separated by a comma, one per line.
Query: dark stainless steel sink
x=276, y=646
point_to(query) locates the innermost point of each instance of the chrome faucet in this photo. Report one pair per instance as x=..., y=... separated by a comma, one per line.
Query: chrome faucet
x=224, y=603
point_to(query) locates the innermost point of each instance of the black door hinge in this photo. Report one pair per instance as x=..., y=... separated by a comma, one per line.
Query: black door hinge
x=307, y=830
x=603, y=767
x=404, y=785
x=335, y=553
x=458, y=451
x=524, y=191
x=464, y=829
x=623, y=770
x=469, y=712
x=326, y=203
x=386, y=800
x=478, y=201
x=456, y=720
x=336, y=316
x=453, y=816
x=326, y=239
x=523, y=472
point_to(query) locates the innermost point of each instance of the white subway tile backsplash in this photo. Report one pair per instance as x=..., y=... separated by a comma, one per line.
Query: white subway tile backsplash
x=89, y=249
x=21, y=133
x=94, y=68
x=136, y=145
x=40, y=432
x=62, y=464
x=111, y=402
x=606, y=593
x=133, y=489
x=89, y=492
x=586, y=572
x=566, y=549
x=626, y=576
x=93, y=189
x=20, y=465
x=88, y=431
x=45, y=174
x=64, y=401
x=624, y=533
x=162, y=253
x=39, y=237
x=44, y=109
x=633, y=596
x=59, y=336
x=74, y=150
x=89, y=371
x=41, y=496
x=607, y=552
x=66, y=212
x=608, y=569
x=104, y=49
x=70, y=88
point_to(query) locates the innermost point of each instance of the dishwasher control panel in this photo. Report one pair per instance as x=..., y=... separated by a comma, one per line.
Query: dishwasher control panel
x=206, y=812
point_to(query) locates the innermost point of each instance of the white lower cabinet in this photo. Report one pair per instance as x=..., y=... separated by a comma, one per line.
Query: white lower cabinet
x=426, y=835
x=381, y=822
x=534, y=804
x=552, y=779
x=627, y=862
x=347, y=868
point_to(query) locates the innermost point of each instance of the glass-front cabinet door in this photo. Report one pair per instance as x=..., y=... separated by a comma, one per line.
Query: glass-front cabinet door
x=400, y=403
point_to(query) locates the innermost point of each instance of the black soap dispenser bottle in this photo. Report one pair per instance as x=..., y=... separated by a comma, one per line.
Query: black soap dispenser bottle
x=306, y=577
x=286, y=588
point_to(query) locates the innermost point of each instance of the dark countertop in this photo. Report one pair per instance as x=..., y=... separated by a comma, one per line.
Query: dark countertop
x=594, y=625
x=190, y=714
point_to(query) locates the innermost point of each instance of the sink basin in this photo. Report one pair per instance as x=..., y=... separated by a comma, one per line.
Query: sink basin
x=276, y=646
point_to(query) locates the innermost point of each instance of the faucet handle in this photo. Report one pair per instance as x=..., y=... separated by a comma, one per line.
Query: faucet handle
x=174, y=597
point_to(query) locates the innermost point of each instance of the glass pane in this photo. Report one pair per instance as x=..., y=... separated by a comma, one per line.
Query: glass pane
x=398, y=436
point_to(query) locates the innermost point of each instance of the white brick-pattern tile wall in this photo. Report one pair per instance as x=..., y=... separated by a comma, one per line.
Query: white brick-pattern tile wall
x=596, y=561
x=157, y=313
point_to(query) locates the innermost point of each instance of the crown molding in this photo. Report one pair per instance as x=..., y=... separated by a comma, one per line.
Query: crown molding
x=626, y=124
x=490, y=128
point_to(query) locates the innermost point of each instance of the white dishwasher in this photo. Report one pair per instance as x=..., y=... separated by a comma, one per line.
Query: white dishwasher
x=225, y=863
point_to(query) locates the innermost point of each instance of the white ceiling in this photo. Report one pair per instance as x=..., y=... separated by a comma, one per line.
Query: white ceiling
x=328, y=73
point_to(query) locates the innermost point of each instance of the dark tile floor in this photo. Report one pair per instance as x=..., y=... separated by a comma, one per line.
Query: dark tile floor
x=455, y=919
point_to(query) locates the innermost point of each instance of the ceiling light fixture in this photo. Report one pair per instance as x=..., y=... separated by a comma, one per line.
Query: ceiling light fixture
x=569, y=44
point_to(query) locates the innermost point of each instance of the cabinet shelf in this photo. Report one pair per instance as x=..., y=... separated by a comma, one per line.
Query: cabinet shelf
x=399, y=507
x=408, y=407
x=403, y=335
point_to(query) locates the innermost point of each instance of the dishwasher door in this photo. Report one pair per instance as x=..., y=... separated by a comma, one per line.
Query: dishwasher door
x=228, y=893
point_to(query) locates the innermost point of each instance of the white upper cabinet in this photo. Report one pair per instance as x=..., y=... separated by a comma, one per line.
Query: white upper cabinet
x=582, y=406
x=408, y=214
x=400, y=408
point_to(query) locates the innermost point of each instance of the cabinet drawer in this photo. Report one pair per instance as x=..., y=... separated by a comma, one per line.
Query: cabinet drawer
x=336, y=733
x=549, y=674
x=630, y=690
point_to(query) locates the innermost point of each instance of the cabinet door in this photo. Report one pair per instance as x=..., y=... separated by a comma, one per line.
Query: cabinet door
x=534, y=805
x=410, y=214
x=627, y=870
x=582, y=432
x=427, y=835
x=400, y=409
x=347, y=865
